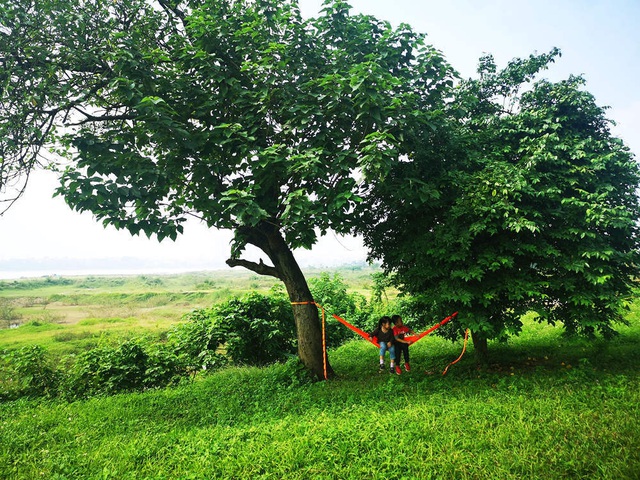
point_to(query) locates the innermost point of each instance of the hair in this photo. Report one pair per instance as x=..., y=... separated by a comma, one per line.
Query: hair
x=384, y=319
x=395, y=319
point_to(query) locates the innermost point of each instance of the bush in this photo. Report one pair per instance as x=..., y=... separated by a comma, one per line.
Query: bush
x=164, y=367
x=254, y=330
x=28, y=372
x=257, y=329
x=131, y=366
x=108, y=370
x=197, y=342
x=331, y=293
x=8, y=313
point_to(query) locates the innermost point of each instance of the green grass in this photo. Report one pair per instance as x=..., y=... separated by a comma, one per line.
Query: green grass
x=544, y=408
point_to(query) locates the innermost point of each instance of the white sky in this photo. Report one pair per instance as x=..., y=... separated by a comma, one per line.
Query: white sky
x=598, y=38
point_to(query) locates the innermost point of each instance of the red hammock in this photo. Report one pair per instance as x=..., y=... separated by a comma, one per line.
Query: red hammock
x=414, y=338
x=411, y=339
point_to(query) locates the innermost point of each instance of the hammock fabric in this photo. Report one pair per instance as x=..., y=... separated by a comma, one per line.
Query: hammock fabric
x=414, y=338
x=411, y=339
x=362, y=333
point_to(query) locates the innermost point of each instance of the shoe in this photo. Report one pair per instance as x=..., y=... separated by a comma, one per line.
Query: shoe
x=381, y=368
x=397, y=370
x=407, y=368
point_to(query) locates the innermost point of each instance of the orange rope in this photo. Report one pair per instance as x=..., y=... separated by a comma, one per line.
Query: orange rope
x=464, y=348
x=324, y=336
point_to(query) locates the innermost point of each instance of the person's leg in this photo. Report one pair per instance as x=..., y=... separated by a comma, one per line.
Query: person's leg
x=383, y=349
x=392, y=354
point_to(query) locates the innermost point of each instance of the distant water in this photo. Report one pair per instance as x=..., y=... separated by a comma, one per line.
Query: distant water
x=17, y=275
x=36, y=268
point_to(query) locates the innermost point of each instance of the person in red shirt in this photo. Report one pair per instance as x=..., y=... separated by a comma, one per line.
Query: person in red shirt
x=402, y=346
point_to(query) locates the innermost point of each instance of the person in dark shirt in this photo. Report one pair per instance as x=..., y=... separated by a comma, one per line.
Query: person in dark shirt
x=401, y=345
x=384, y=335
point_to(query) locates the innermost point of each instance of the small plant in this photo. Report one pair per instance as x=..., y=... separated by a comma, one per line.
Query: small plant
x=30, y=373
x=8, y=313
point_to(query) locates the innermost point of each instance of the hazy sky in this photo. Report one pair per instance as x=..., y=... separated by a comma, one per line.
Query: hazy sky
x=599, y=39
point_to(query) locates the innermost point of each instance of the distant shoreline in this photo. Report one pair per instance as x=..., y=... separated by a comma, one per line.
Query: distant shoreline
x=86, y=270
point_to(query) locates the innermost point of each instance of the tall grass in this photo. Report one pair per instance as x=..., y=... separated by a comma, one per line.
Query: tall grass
x=545, y=407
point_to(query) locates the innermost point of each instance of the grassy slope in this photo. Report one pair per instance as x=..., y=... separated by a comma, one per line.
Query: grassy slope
x=546, y=408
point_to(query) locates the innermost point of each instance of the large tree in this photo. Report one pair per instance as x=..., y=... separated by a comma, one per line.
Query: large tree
x=527, y=202
x=237, y=112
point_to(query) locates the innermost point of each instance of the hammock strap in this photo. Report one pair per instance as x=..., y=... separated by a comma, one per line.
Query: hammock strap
x=464, y=348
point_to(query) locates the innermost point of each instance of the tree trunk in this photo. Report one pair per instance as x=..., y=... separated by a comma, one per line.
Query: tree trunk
x=285, y=267
x=480, y=347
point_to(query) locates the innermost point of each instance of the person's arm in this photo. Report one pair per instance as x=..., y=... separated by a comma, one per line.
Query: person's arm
x=400, y=340
x=374, y=334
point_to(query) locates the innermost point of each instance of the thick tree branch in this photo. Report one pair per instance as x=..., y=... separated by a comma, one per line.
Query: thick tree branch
x=172, y=8
x=259, y=268
x=100, y=118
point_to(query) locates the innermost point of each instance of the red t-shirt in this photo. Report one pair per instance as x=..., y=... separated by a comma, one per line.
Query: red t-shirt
x=399, y=332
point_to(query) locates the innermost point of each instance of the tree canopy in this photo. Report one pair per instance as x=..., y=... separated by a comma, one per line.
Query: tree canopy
x=498, y=196
x=240, y=113
x=528, y=203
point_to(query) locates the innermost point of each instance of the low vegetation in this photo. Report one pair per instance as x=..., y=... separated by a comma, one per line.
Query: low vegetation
x=545, y=406
x=107, y=353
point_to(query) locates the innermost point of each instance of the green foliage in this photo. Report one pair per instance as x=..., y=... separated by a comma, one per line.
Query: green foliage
x=198, y=341
x=108, y=370
x=533, y=207
x=130, y=366
x=254, y=329
x=28, y=372
x=257, y=329
x=241, y=111
x=332, y=293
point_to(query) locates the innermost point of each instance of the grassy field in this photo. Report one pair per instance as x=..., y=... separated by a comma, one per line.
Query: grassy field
x=546, y=407
x=67, y=314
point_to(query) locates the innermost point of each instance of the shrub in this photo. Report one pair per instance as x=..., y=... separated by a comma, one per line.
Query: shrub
x=163, y=367
x=331, y=293
x=8, y=312
x=254, y=330
x=197, y=342
x=28, y=372
x=108, y=370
